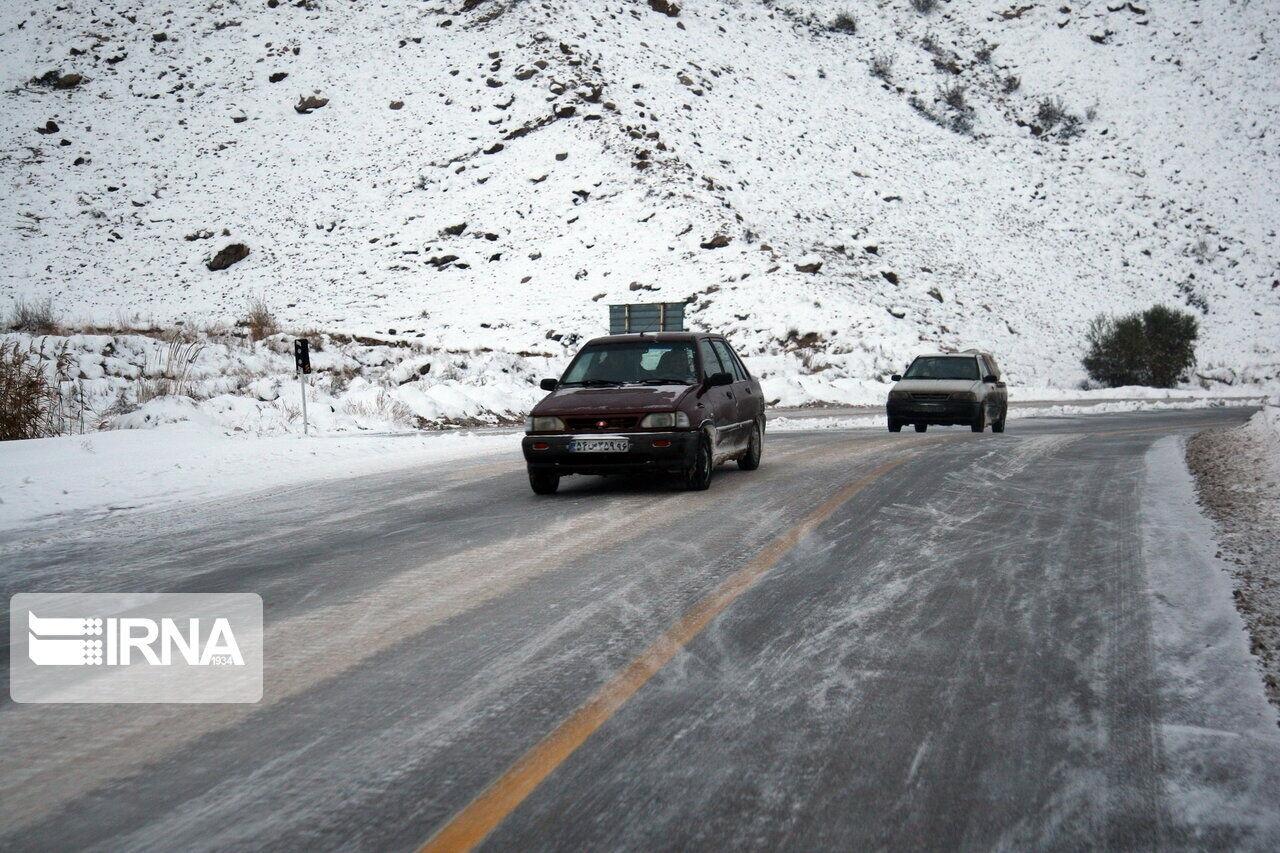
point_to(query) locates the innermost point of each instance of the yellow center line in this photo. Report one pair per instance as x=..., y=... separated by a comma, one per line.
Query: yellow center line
x=470, y=826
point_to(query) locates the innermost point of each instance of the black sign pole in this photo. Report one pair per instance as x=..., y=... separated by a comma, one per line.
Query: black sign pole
x=302, y=360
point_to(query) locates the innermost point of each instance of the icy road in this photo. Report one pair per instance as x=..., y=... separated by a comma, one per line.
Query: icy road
x=940, y=640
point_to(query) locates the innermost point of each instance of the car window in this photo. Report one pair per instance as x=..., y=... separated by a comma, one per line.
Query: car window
x=728, y=360
x=943, y=367
x=633, y=362
x=995, y=368
x=710, y=361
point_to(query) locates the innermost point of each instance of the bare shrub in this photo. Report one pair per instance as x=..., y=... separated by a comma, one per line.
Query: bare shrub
x=882, y=66
x=341, y=378
x=1011, y=84
x=929, y=43
x=983, y=53
x=844, y=23
x=954, y=97
x=260, y=320
x=924, y=7
x=1050, y=113
x=1071, y=127
x=35, y=317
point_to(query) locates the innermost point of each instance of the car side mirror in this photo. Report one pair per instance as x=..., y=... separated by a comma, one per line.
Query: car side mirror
x=897, y=377
x=721, y=378
x=990, y=377
x=549, y=384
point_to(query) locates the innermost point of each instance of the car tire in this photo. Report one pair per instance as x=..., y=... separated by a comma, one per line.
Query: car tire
x=895, y=426
x=544, y=483
x=921, y=427
x=697, y=478
x=998, y=426
x=750, y=460
x=980, y=422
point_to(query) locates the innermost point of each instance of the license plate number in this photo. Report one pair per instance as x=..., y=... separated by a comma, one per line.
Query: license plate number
x=600, y=445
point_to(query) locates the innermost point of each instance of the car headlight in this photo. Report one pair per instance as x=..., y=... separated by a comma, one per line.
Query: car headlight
x=965, y=396
x=665, y=420
x=543, y=425
x=895, y=394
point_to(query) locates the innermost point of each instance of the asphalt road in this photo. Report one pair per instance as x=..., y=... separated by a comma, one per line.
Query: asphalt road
x=933, y=640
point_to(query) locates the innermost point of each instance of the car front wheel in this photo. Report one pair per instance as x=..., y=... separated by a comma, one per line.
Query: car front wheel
x=697, y=477
x=895, y=426
x=921, y=427
x=980, y=422
x=543, y=483
x=750, y=460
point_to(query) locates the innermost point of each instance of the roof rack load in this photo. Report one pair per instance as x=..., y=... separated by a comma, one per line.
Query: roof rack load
x=646, y=317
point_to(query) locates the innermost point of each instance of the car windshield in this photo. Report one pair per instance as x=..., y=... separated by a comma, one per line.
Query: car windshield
x=943, y=367
x=633, y=363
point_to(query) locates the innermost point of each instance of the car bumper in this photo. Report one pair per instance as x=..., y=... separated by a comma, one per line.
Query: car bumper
x=945, y=412
x=642, y=457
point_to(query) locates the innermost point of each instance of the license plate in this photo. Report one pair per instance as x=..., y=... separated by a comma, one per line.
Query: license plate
x=600, y=445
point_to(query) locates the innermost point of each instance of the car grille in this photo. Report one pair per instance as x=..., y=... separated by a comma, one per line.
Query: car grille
x=611, y=423
x=930, y=398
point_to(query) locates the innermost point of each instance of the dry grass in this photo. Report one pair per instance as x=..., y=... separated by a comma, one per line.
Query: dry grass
x=35, y=317
x=383, y=407
x=24, y=393
x=260, y=320
x=170, y=374
x=38, y=397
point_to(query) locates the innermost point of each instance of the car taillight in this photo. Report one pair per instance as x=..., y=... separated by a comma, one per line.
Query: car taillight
x=661, y=442
x=541, y=445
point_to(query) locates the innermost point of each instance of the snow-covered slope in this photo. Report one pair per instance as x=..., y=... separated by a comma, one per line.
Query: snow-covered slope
x=591, y=149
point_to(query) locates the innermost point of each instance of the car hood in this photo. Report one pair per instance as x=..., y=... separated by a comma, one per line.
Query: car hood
x=602, y=401
x=936, y=386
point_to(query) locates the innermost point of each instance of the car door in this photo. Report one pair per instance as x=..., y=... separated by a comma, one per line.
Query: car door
x=751, y=403
x=718, y=402
x=741, y=392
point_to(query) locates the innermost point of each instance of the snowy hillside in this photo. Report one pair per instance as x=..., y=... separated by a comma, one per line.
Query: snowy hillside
x=488, y=174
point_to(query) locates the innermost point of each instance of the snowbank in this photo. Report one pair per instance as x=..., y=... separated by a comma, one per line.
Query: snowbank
x=229, y=384
x=1264, y=427
x=787, y=423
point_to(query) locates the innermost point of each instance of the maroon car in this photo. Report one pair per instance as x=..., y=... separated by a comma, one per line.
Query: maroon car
x=670, y=402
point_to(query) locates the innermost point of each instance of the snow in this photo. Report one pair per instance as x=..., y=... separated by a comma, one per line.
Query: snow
x=1219, y=735
x=108, y=473
x=1264, y=428
x=748, y=120
x=228, y=384
x=785, y=423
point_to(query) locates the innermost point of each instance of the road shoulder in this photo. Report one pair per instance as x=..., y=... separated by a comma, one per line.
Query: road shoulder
x=1219, y=733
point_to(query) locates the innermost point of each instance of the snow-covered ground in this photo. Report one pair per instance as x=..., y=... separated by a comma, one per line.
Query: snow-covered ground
x=486, y=177
x=121, y=471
